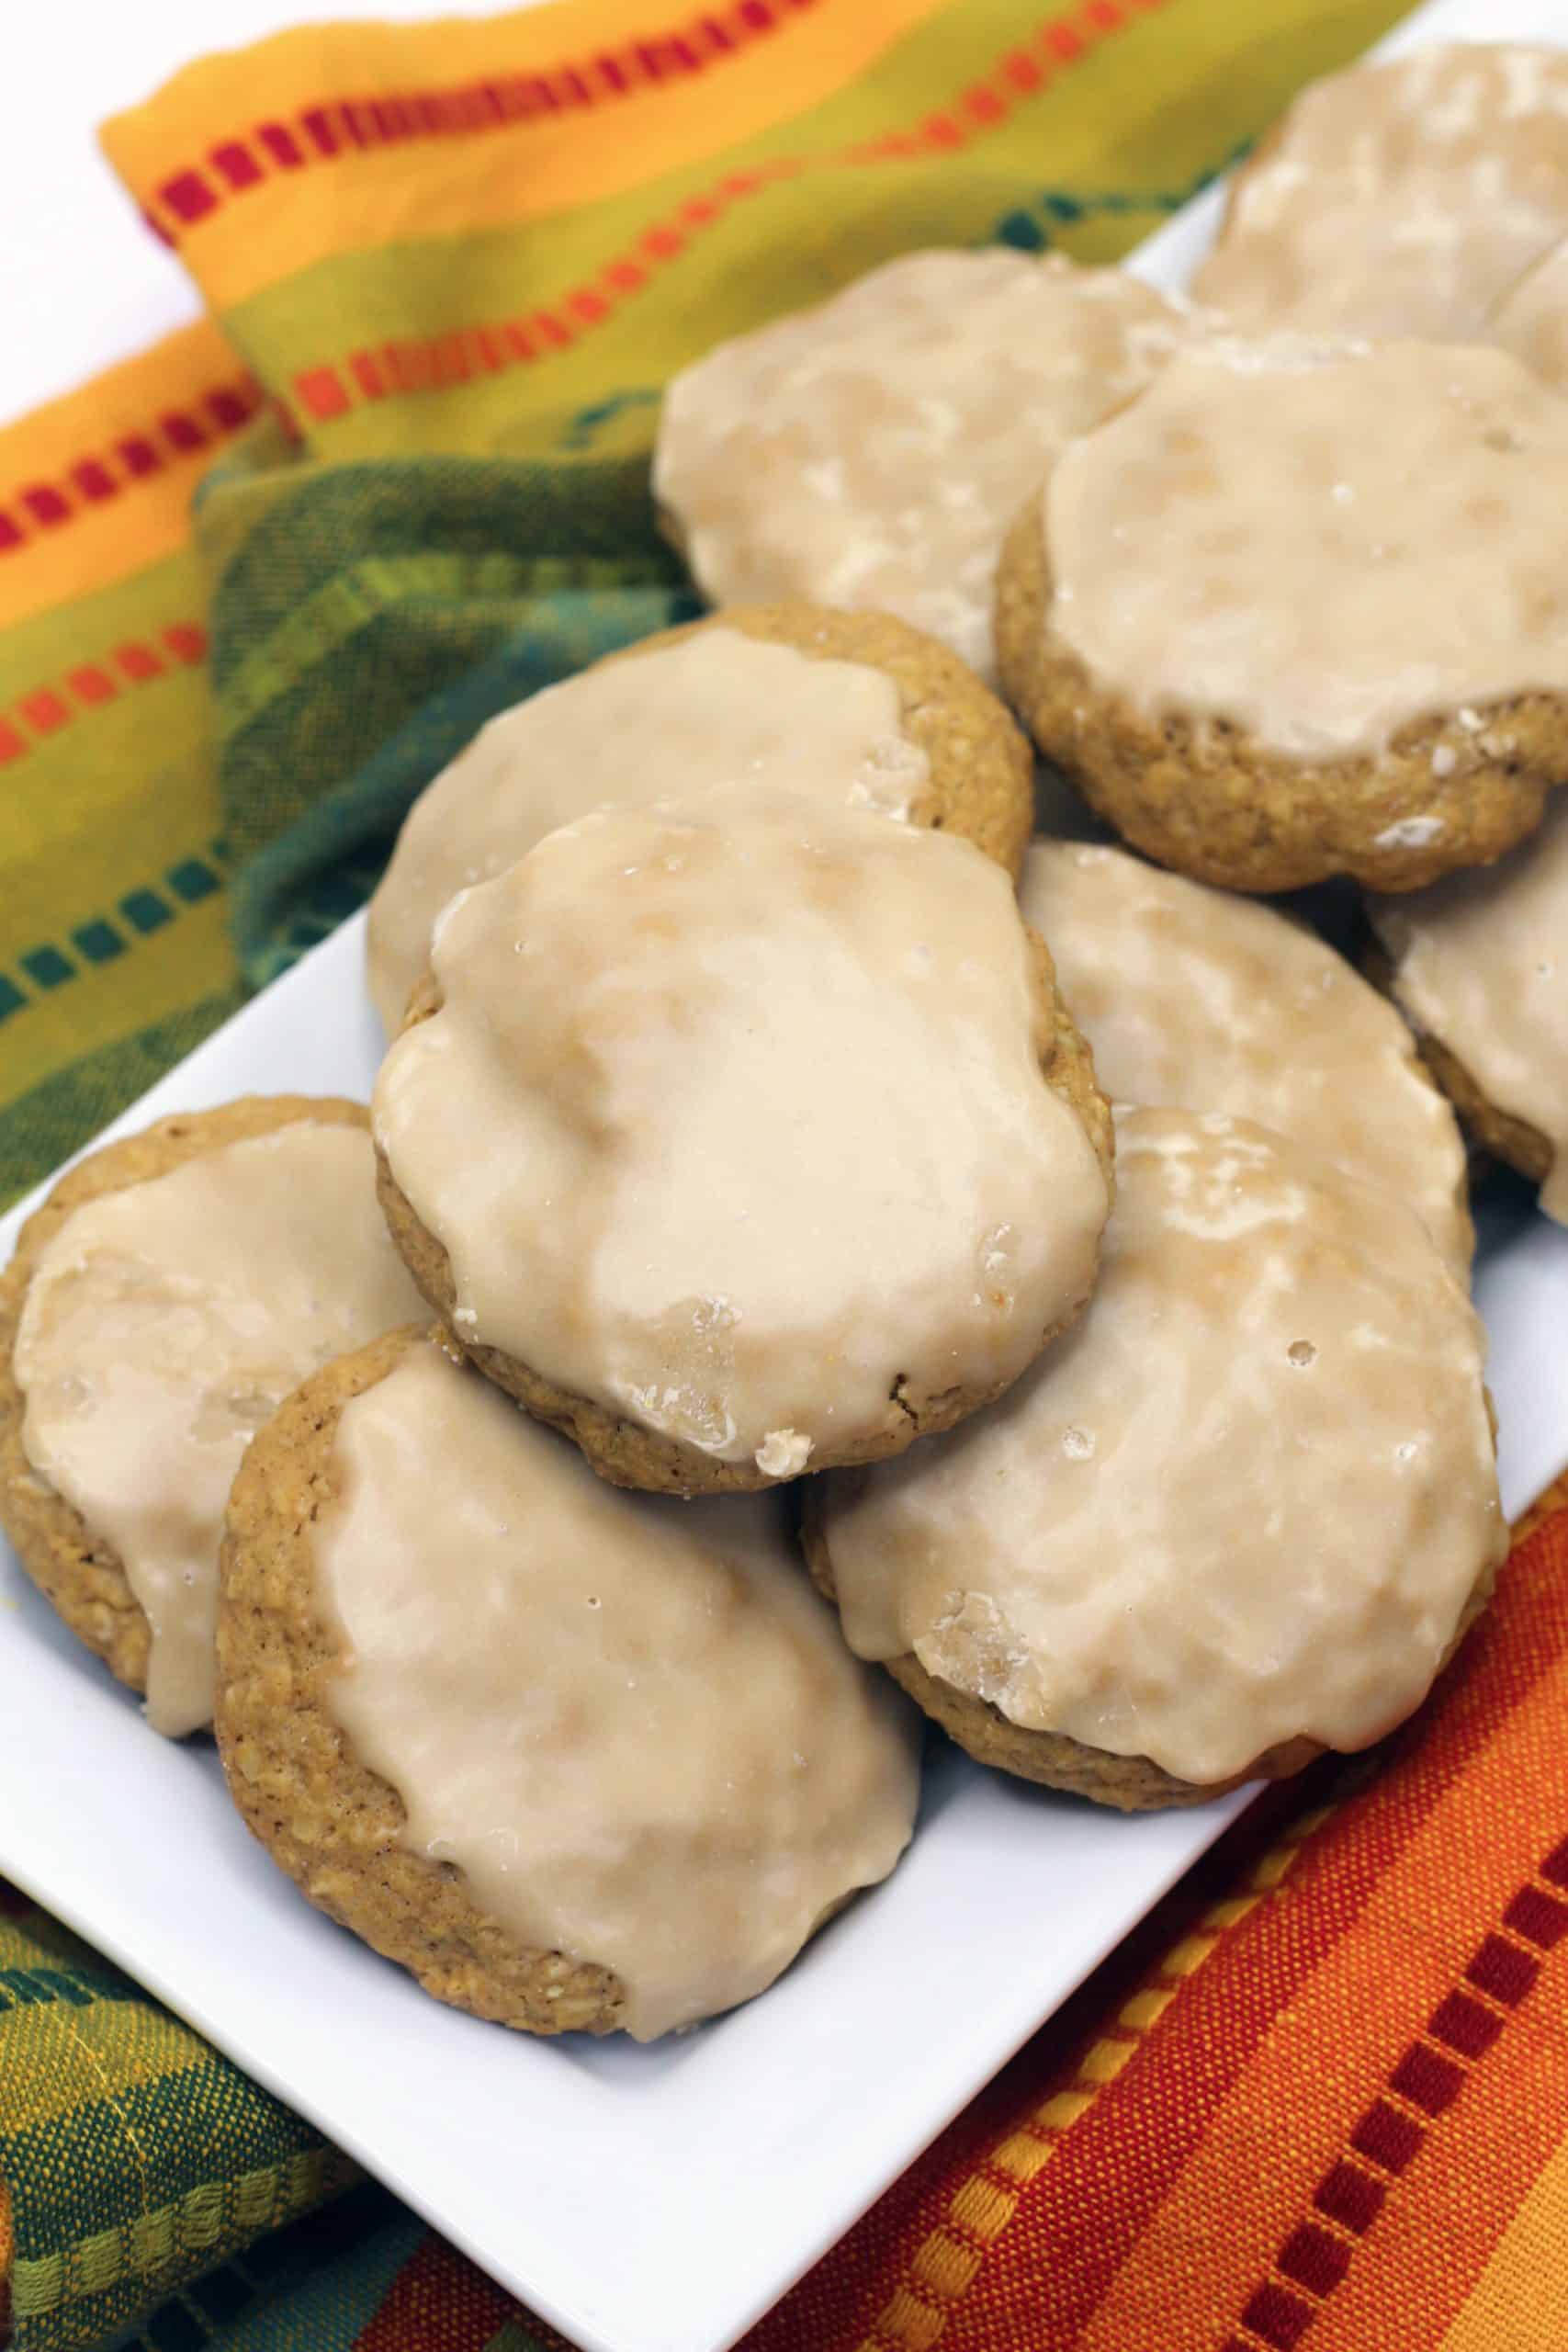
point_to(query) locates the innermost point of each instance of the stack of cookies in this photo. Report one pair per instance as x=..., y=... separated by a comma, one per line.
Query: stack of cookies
x=741, y=1312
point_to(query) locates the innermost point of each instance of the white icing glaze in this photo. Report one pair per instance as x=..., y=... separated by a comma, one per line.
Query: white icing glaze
x=1480, y=963
x=1246, y=1500
x=1197, y=997
x=1332, y=543
x=1400, y=198
x=629, y=1722
x=1531, y=320
x=164, y=1324
x=720, y=708
x=732, y=1119
x=873, y=451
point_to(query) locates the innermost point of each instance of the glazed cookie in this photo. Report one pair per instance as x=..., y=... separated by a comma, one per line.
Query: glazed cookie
x=1300, y=610
x=1243, y=1513
x=744, y=1136
x=853, y=707
x=578, y=1760
x=1531, y=320
x=1480, y=965
x=1399, y=198
x=1196, y=996
x=870, y=452
x=171, y=1290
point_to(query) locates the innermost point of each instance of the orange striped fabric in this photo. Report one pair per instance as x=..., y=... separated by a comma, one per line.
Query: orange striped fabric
x=334, y=130
x=275, y=172
x=1322, y=2098
x=98, y=485
x=507, y=139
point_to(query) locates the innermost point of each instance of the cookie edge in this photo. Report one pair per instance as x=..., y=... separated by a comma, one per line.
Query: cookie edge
x=274, y=1652
x=943, y=705
x=53, y=1542
x=1502, y=1134
x=625, y=1454
x=1293, y=822
x=1056, y=1760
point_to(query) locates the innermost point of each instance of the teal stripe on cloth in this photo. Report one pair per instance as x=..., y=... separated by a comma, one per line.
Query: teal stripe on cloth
x=293, y=890
x=351, y=601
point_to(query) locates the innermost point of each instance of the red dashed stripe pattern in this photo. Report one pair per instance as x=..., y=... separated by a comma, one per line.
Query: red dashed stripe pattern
x=1430, y=2075
x=36, y=716
x=36, y=507
x=436, y=363
x=339, y=127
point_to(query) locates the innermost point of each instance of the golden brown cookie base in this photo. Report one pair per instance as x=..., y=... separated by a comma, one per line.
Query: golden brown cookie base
x=1512, y=1140
x=1054, y=1760
x=79, y=1573
x=629, y=1456
x=1207, y=801
x=981, y=782
x=333, y=1825
x=1131, y=1784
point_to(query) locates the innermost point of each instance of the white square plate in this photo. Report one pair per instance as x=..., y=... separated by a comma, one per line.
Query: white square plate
x=643, y=2200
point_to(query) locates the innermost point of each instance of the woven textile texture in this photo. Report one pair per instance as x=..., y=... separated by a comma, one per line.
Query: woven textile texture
x=255, y=587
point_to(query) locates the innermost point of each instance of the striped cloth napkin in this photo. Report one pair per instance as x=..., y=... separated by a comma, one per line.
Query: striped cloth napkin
x=256, y=585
